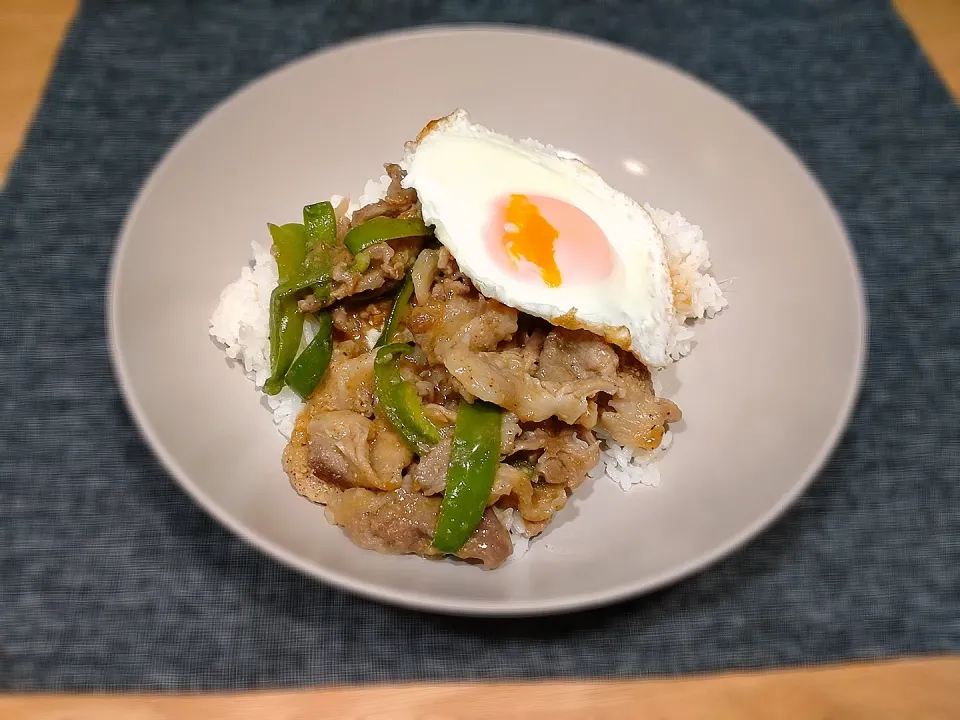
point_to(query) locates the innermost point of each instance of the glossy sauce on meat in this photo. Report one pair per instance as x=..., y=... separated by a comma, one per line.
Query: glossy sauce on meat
x=558, y=387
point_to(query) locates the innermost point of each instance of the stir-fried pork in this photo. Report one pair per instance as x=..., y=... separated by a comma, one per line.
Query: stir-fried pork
x=461, y=330
x=567, y=453
x=398, y=202
x=430, y=474
x=355, y=321
x=556, y=387
x=401, y=522
x=349, y=450
x=635, y=416
x=347, y=384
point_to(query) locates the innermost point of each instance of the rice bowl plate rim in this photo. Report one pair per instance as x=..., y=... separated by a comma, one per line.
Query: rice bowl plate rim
x=422, y=600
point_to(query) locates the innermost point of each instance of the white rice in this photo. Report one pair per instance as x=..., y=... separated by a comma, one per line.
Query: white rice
x=689, y=261
x=240, y=324
x=513, y=522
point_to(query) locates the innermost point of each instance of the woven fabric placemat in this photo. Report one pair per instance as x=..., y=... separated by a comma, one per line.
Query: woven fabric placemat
x=111, y=578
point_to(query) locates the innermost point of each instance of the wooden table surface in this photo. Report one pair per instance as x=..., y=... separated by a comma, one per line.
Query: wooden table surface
x=914, y=689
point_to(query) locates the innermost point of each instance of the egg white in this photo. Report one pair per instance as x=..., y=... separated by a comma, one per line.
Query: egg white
x=459, y=169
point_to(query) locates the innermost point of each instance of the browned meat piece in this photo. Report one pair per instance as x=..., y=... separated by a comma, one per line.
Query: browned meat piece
x=535, y=528
x=430, y=475
x=530, y=344
x=346, y=281
x=448, y=267
x=435, y=385
x=310, y=303
x=508, y=479
x=399, y=201
x=635, y=416
x=348, y=450
x=296, y=463
x=347, y=384
x=462, y=330
x=537, y=502
x=374, y=209
x=490, y=542
x=388, y=264
x=500, y=378
x=567, y=453
x=439, y=415
x=397, y=522
x=402, y=522
x=355, y=321
x=461, y=319
x=509, y=430
x=405, y=251
x=575, y=355
x=382, y=254
x=447, y=288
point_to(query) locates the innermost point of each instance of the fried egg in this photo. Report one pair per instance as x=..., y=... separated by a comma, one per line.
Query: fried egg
x=543, y=233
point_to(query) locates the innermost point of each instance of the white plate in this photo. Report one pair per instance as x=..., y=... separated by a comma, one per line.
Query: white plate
x=765, y=393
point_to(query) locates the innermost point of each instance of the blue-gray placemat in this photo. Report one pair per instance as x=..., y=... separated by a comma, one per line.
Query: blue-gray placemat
x=111, y=578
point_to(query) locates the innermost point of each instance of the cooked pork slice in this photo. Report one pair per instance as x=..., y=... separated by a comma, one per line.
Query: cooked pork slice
x=398, y=202
x=569, y=355
x=463, y=330
x=389, y=261
x=403, y=522
x=507, y=481
x=430, y=475
x=296, y=463
x=460, y=317
x=635, y=416
x=348, y=382
x=499, y=377
x=349, y=450
x=356, y=320
x=567, y=453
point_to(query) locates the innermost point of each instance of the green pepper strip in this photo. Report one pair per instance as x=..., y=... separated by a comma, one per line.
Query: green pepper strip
x=474, y=456
x=320, y=281
x=320, y=220
x=397, y=311
x=399, y=401
x=380, y=229
x=317, y=270
x=289, y=249
x=286, y=323
x=321, y=223
x=308, y=369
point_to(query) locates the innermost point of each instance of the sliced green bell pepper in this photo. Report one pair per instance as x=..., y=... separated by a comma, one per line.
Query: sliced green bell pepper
x=398, y=400
x=474, y=456
x=397, y=310
x=289, y=249
x=308, y=369
x=319, y=283
x=320, y=221
x=380, y=229
x=286, y=323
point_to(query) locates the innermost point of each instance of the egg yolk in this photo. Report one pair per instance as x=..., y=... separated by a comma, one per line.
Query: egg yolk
x=539, y=238
x=528, y=236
